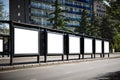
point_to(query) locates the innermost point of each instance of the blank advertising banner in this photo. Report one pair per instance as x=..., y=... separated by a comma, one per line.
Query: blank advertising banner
x=88, y=45
x=106, y=47
x=1, y=45
x=25, y=41
x=98, y=46
x=74, y=44
x=55, y=43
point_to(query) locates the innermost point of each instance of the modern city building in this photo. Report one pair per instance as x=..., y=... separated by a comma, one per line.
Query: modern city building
x=37, y=11
x=99, y=9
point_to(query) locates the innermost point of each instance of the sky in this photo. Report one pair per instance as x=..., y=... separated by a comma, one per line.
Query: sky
x=6, y=8
x=6, y=5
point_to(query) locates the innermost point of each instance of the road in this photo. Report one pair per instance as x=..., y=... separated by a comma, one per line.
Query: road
x=74, y=71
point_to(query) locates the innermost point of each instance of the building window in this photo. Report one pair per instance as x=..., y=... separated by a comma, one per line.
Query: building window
x=18, y=14
x=71, y=9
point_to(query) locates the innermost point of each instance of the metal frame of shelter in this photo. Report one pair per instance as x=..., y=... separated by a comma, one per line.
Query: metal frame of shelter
x=43, y=42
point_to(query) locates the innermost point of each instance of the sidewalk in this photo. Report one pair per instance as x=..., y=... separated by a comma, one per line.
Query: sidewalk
x=29, y=62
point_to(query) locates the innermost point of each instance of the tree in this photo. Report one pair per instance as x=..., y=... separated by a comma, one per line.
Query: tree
x=83, y=23
x=114, y=14
x=104, y=2
x=108, y=30
x=86, y=27
x=59, y=20
x=94, y=25
x=114, y=10
x=116, y=42
x=94, y=29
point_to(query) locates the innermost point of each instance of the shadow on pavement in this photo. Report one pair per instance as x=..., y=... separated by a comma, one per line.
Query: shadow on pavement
x=109, y=76
x=30, y=62
x=18, y=63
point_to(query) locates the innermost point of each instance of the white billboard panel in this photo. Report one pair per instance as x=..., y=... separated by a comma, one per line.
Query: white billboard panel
x=25, y=41
x=106, y=47
x=74, y=44
x=1, y=45
x=88, y=45
x=55, y=43
x=98, y=46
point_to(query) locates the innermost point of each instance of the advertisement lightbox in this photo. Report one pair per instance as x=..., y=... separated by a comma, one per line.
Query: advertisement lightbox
x=98, y=46
x=106, y=47
x=55, y=43
x=25, y=41
x=88, y=45
x=1, y=45
x=74, y=44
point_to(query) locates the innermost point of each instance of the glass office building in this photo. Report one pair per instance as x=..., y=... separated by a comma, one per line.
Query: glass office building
x=40, y=11
x=37, y=11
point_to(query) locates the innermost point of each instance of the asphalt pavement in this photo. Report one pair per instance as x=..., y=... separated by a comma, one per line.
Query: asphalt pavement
x=89, y=70
x=28, y=62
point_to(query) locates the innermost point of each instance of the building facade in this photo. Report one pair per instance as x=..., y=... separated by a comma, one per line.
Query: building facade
x=37, y=11
x=99, y=9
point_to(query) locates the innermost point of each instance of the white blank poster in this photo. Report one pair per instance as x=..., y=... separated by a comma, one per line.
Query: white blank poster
x=88, y=45
x=55, y=43
x=74, y=44
x=98, y=46
x=106, y=47
x=1, y=45
x=26, y=41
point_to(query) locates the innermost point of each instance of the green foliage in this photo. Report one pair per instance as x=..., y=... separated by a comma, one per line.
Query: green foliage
x=87, y=27
x=116, y=42
x=94, y=28
x=83, y=23
x=114, y=15
x=107, y=28
x=59, y=20
x=114, y=10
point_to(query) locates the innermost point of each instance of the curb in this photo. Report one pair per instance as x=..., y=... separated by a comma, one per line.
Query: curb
x=23, y=66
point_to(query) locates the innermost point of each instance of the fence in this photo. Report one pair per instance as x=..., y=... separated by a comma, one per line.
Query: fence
x=27, y=40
